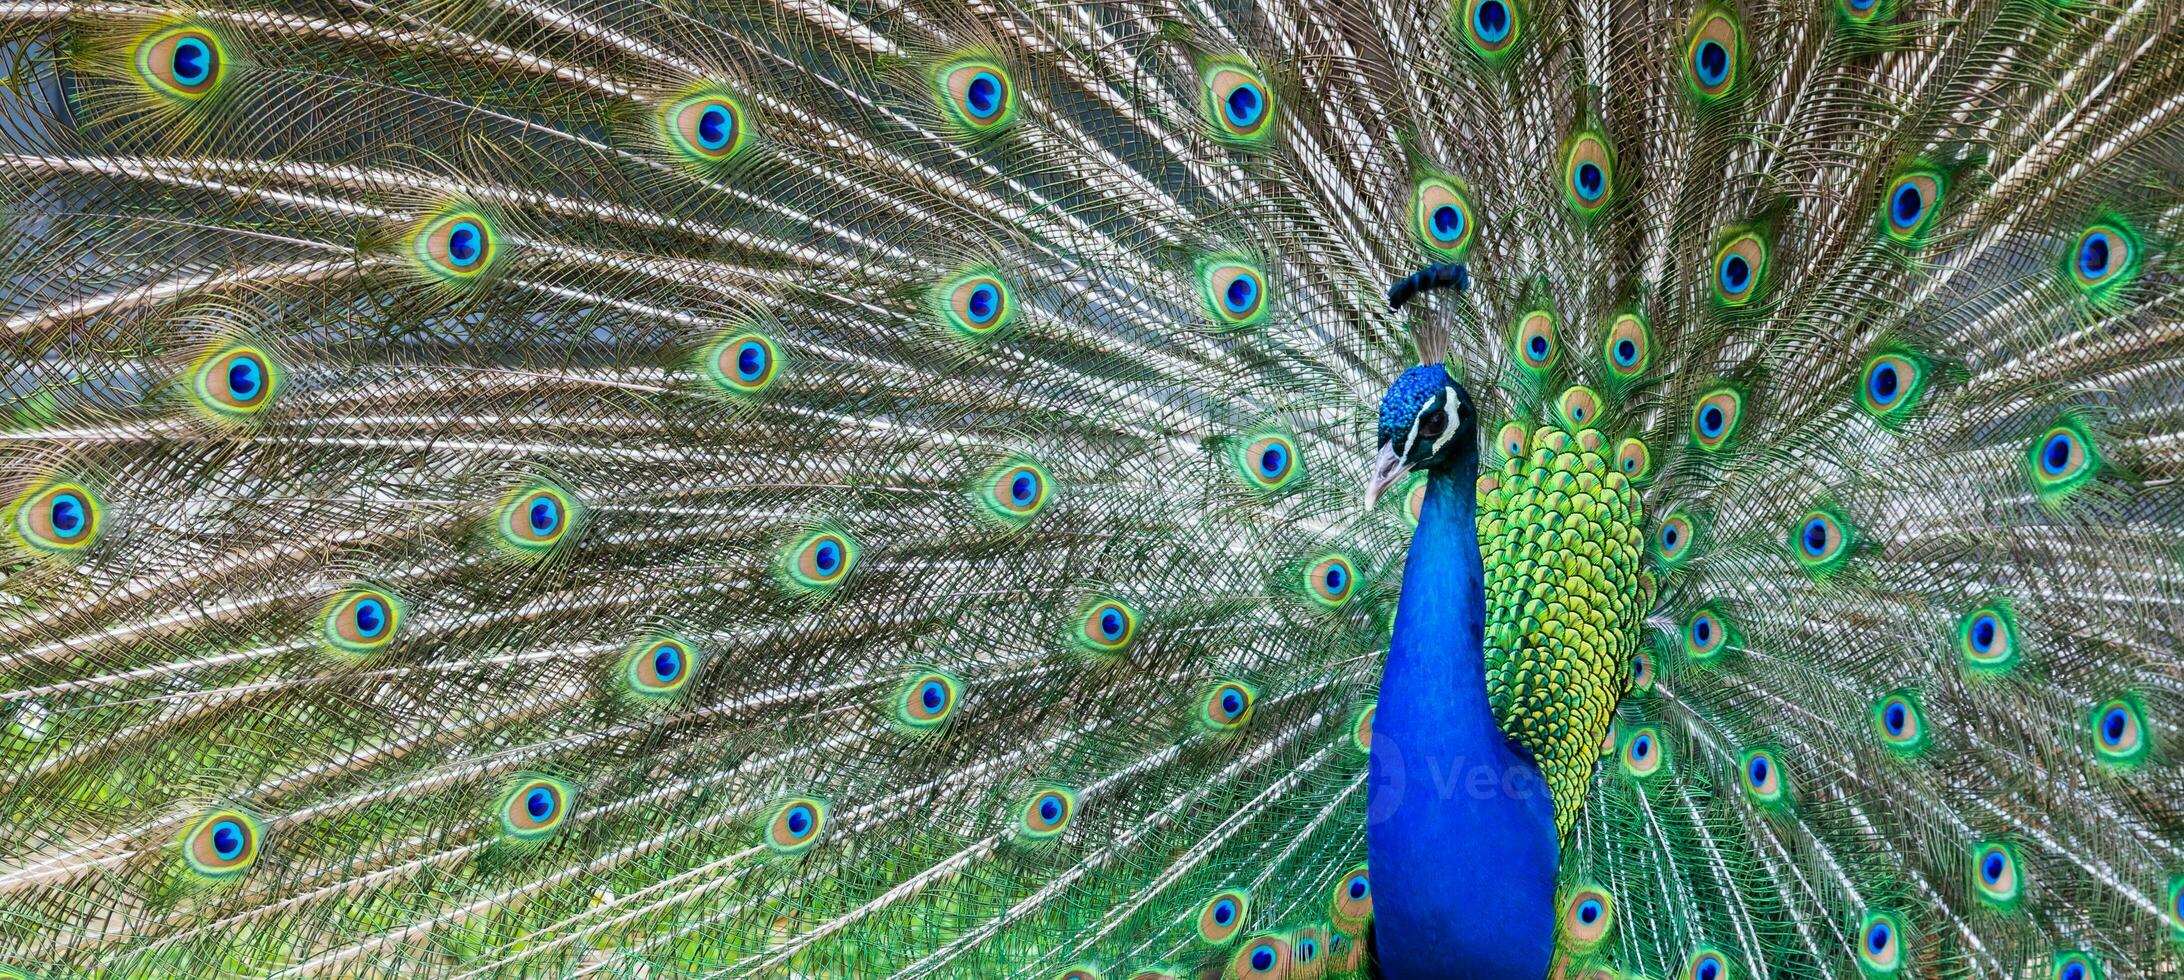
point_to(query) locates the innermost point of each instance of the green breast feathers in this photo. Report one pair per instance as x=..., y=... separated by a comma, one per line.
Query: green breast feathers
x=1561, y=531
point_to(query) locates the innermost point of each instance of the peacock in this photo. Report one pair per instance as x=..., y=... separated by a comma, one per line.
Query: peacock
x=1124, y=490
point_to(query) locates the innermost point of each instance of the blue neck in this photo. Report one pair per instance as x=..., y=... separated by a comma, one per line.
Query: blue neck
x=1463, y=843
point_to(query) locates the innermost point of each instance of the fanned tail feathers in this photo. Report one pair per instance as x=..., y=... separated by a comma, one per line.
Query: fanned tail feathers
x=509, y=488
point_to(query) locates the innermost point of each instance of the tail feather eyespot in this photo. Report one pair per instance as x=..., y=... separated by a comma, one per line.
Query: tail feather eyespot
x=1443, y=217
x=660, y=667
x=1238, y=103
x=1047, y=813
x=456, y=247
x=796, y=826
x=977, y=94
x=1880, y=945
x=707, y=129
x=821, y=560
x=1587, y=914
x=1996, y=877
x=1106, y=626
x=223, y=843
x=361, y=621
x=1227, y=706
x=1235, y=292
x=184, y=64
x=1740, y=269
x=1628, y=350
x=742, y=362
x=1712, y=55
x=1588, y=173
x=59, y=518
x=1491, y=28
x=1534, y=344
x=535, y=808
x=1223, y=916
x=2119, y=731
x=234, y=383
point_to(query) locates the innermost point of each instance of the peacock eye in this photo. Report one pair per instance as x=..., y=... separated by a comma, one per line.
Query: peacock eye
x=1228, y=706
x=535, y=808
x=795, y=827
x=1047, y=814
x=184, y=64
x=1221, y=917
x=1433, y=423
x=1238, y=103
x=222, y=844
x=978, y=95
x=1880, y=950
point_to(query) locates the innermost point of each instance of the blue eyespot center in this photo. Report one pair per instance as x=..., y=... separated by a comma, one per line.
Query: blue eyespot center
x=463, y=243
x=827, y=557
x=1895, y=717
x=1702, y=632
x=1816, y=537
x=1983, y=632
x=1883, y=383
x=1337, y=577
x=1991, y=869
x=1050, y=809
x=1307, y=950
x=1736, y=273
x=1241, y=292
x=983, y=95
x=1642, y=747
x=1358, y=887
x=1709, y=970
x=984, y=302
x=1538, y=346
x=1589, y=912
x=798, y=820
x=1245, y=105
x=1274, y=459
x=932, y=695
x=1878, y=937
x=1626, y=352
x=2093, y=256
x=192, y=61
x=539, y=803
x=2113, y=725
x=370, y=618
x=1712, y=62
x=1448, y=222
x=227, y=839
x=1491, y=19
x=2075, y=971
x=750, y=361
x=544, y=515
x=1232, y=703
x=1712, y=421
x=1669, y=537
x=65, y=514
x=1758, y=770
x=666, y=663
x=1111, y=624
x=715, y=127
x=1591, y=182
x=242, y=376
x=2055, y=457
x=1023, y=488
x=1907, y=205
x=1224, y=912
x=1262, y=958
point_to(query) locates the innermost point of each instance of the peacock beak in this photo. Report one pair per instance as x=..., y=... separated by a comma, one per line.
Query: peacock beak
x=1388, y=469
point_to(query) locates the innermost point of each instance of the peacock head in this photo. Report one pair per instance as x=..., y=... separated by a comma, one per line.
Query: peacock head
x=1426, y=422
